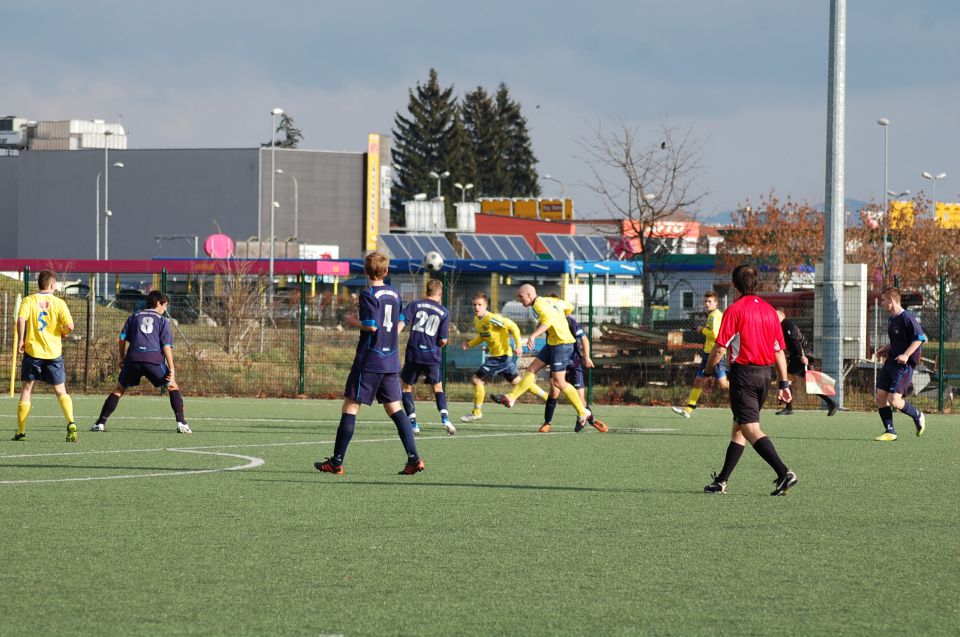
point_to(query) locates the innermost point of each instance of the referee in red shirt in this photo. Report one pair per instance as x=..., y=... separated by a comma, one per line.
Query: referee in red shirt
x=751, y=332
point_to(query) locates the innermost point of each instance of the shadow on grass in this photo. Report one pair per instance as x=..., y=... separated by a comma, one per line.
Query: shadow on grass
x=341, y=482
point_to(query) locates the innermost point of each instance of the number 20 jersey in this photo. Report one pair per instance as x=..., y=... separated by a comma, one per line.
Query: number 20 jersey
x=380, y=307
x=429, y=324
x=147, y=332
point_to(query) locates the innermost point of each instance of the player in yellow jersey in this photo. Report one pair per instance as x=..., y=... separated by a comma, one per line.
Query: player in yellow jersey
x=42, y=321
x=710, y=331
x=551, y=314
x=495, y=331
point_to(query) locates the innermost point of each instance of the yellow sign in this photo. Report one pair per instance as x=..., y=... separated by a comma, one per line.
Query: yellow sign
x=948, y=214
x=372, y=226
x=901, y=214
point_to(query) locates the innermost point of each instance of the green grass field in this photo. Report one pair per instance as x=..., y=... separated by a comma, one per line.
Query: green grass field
x=140, y=531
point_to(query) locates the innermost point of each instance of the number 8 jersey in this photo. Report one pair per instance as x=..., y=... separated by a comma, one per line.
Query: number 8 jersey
x=147, y=333
x=380, y=307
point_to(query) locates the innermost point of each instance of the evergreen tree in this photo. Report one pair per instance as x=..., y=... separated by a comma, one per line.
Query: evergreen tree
x=291, y=135
x=518, y=157
x=429, y=138
x=484, y=133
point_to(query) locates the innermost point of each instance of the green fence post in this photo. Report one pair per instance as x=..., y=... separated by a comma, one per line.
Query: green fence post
x=941, y=350
x=303, y=330
x=163, y=280
x=590, y=336
x=896, y=281
x=26, y=281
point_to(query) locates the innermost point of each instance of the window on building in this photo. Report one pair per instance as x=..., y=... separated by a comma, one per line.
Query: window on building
x=688, y=300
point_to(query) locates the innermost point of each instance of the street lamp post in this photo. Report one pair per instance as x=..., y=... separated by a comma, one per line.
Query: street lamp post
x=276, y=112
x=439, y=176
x=933, y=187
x=885, y=123
x=563, y=191
x=296, y=203
x=463, y=190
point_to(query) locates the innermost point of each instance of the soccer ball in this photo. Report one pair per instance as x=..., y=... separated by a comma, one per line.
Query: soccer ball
x=433, y=261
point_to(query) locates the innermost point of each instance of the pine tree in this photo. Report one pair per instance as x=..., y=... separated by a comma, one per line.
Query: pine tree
x=291, y=134
x=518, y=157
x=430, y=138
x=482, y=128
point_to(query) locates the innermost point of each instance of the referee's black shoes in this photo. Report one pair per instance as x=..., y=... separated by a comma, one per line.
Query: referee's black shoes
x=782, y=484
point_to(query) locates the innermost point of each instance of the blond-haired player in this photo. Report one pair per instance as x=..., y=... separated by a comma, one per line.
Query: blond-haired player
x=494, y=330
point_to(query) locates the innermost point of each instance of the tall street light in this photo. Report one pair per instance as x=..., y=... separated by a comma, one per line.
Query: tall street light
x=107, y=213
x=563, y=191
x=296, y=202
x=463, y=190
x=439, y=176
x=276, y=112
x=933, y=187
x=885, y=123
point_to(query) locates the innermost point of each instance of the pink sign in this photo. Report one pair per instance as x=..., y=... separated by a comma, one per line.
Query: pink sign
x=218, y=246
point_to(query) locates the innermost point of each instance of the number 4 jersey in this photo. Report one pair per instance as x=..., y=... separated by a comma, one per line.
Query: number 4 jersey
x=147, y=333
x=429, y=325
x=380, y=307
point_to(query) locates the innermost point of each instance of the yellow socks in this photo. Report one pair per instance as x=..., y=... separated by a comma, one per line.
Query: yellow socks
x=66, y=405
x=537, y=391
x=528, y=381
x=571, y=393
x=692, y=399
x=22, y=410
x=479, y=392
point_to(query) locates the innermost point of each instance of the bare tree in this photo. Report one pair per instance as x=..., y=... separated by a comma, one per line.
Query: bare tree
x=238, y=309
x=644, y=183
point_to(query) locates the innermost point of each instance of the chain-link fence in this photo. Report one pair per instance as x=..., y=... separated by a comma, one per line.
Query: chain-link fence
x=234, y=336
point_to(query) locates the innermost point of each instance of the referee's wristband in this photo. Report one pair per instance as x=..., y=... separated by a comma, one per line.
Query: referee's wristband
x=783, y=384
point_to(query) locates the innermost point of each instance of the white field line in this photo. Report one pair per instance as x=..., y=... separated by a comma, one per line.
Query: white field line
x=252, y=463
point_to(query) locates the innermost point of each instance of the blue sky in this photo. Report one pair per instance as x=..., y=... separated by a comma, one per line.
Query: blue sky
x=749, y=77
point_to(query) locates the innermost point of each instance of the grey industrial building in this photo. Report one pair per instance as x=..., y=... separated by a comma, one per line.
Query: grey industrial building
x=49, y=199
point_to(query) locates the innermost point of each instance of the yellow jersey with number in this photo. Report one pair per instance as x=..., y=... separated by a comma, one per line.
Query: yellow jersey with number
x=495, y=331
x=553, y=313
x=45, y=316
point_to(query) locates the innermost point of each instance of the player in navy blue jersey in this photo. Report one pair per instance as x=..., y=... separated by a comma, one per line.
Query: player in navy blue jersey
x=375, y=373
x=429, y=331
x=903, y=356
x=146, y=350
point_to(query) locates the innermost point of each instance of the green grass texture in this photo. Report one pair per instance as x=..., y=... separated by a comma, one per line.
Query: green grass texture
x=230, y=531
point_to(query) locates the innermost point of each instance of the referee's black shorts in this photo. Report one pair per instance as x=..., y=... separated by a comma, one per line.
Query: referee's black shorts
x=749, y=385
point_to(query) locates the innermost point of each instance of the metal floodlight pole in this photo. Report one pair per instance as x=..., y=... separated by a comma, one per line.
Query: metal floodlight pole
x=831, y=319
x=273, y=197
x=885, y=123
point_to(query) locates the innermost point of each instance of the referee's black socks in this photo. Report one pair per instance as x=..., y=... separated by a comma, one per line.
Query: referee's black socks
x=765, y=448
x=734, y=451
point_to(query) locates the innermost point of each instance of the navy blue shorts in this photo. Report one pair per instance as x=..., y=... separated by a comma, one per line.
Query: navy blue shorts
x=132, y=372
x=719, y=371
x=45, y=369
x=575, y=376
x=411, y=372
x=556, y=356
x=505, y=366
x=749, y=386
x=363, y=387
x=894, y=378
